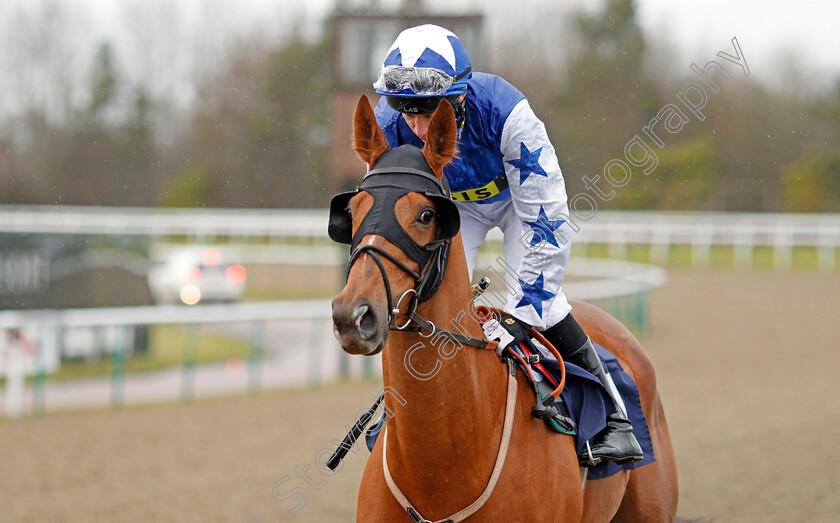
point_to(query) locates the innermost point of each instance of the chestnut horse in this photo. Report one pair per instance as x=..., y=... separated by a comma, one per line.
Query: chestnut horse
x=447, y=447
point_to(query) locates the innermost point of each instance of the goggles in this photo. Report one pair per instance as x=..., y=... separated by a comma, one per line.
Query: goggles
x=421, y=81
x=421, y=105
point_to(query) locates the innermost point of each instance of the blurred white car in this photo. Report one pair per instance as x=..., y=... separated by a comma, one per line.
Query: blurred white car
x=197, y=274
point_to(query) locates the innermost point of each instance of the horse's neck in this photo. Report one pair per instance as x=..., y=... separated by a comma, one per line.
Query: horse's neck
x=459, y=398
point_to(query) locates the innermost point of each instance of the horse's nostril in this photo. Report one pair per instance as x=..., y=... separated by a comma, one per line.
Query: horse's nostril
x=365, y=321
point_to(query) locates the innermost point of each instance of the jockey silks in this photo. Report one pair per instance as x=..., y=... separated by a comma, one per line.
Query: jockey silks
x=505, y=159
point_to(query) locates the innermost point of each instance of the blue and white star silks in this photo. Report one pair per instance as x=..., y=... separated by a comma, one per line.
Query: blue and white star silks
x=507, y=137
x=534, y=294
x=539, y=199
x=544, y=228
x=528, y=163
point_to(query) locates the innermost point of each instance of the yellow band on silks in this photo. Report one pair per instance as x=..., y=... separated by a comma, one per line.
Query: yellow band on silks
x=490, y=190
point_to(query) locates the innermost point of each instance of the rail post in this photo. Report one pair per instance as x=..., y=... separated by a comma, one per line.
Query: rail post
x=40, y=375
x=188, y=365
x=118, y=368
x=255, y=357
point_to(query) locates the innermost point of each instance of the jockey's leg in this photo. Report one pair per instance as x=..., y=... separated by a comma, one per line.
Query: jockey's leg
x=474, y=228
x=616, y=442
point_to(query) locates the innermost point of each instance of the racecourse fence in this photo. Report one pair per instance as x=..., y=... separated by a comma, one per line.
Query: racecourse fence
x=700, y=232
x=289, y=343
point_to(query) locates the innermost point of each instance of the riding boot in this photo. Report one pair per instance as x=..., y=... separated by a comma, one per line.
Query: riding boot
x=616, y=442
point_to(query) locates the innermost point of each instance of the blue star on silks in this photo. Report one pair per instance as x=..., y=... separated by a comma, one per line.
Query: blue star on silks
x=544, y=228
x=527, y=163
x=534, y=294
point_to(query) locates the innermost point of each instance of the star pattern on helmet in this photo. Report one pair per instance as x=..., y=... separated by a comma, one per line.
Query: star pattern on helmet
x=528, y=163
x=543, y=229
x=534, y=294
x=424, y=46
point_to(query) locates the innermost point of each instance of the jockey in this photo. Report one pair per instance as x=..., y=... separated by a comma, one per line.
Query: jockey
x=506, y=175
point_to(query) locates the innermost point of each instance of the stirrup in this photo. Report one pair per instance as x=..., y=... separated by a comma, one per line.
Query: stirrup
x=590, y=461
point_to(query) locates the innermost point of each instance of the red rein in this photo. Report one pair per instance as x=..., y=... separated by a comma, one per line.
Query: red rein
x=487, y=313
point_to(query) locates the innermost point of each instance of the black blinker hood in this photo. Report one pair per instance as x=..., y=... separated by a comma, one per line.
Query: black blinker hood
x=397, y=172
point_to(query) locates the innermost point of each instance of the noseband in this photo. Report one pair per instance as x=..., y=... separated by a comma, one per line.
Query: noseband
x=394, y=309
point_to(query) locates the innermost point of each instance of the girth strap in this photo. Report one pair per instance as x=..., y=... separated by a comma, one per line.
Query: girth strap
x=494, y=477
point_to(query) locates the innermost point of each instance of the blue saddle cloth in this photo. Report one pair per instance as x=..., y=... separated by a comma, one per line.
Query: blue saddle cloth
x=588, y=403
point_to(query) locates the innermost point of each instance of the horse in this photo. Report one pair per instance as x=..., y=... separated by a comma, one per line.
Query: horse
x=460, y=441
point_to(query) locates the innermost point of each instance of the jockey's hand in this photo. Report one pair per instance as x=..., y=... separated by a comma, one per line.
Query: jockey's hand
x=509, y=331
x=517, y=328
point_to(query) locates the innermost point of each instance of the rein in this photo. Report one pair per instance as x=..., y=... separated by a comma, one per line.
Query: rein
x=486, y=314
x=375, y=251
x=432, y=260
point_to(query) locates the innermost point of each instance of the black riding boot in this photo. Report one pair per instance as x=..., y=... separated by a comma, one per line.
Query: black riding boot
x=616, y=442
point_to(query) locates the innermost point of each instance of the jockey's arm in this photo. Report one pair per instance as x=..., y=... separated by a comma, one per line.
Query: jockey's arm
x=538, y=193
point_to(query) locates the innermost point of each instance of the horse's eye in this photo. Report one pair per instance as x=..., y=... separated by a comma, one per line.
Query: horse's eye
x=426, y=216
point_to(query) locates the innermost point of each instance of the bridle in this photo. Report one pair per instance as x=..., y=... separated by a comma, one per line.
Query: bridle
x=393, y=309
x=398, y=172
x=387, y=185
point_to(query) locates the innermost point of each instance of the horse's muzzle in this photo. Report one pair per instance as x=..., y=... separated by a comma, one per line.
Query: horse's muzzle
x=358, y=327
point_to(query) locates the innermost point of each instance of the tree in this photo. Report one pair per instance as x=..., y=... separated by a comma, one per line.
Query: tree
x=607, y=96
x=104, y=80
x=258, y=136
x=812, y=184
x=685, y=178
x=139, y=157
x=189, y=188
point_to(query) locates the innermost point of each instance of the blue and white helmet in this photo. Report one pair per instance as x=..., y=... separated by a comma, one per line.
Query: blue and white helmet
x=425, y=62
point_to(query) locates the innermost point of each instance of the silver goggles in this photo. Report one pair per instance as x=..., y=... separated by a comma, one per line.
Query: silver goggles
x=423, y=81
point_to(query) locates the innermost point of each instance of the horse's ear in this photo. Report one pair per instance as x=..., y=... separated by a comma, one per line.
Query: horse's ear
x=368, y=139
x=440, y=138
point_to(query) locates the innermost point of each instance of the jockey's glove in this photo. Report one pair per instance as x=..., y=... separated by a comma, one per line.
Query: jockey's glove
x=517, y=328
x=509, y=331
